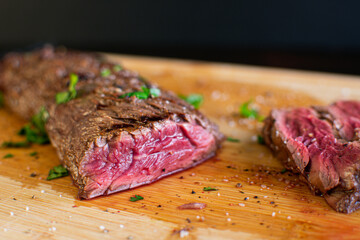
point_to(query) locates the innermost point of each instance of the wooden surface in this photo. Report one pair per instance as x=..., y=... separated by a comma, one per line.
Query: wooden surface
x=269, y=205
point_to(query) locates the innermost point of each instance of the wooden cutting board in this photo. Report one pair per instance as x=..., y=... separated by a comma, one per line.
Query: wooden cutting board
x=270, y=204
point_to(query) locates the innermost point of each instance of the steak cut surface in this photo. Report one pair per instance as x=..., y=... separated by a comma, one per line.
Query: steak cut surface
x=322, y=144
x=108, y=141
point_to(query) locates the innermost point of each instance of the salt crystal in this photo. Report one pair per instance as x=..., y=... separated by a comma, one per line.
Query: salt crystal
x=27, y=208
x=288, y=217
x=5, y=230
x=53, y=228
x=42, y=191
x=121, y=226
x=241, y=204
x=11, y=214
x=273, y=214
x=184, y=233
x=218, y=194
x=101, y=227
x=227, y=214
x=229, y=219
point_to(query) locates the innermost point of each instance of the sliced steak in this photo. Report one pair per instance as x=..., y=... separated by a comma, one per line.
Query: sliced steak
x=322, y=144
x=108, y=143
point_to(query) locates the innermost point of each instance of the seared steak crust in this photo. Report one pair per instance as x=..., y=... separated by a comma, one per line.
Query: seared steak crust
x=99, y=136
x=322, y=144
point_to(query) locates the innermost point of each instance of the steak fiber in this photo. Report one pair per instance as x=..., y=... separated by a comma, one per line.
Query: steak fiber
x=109, y=141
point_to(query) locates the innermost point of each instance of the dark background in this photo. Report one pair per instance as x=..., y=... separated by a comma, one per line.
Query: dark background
x=315, y=35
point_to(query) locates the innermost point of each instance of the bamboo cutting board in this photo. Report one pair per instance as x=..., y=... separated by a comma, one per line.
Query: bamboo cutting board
x=271, y=204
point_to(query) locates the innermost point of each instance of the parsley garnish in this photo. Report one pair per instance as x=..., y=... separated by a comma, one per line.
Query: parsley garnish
x=117, y=68
x=105, y=72
x=33, y=154
x=136, y=198
x=64, y=97
x=9, y=155
x=230, y=139
x=144, y=94
x=1, y=99
x=247, y=112
x=57, y=172
x=35, y=131
x=283, y=171
x=260, y=139
x=194, y=99
x=15, y=144
x=209, y=189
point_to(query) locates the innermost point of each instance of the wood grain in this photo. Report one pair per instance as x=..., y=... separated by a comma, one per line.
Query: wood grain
x=269, y=205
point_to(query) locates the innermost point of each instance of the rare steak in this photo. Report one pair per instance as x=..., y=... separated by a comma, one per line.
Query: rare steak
x=109, y=140
x=322, y=144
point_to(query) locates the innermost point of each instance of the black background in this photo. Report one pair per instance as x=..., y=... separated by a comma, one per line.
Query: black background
x=316, y=35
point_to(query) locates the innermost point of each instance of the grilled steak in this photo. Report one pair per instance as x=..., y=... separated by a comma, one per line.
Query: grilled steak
x=322, y=144
x=108, y=142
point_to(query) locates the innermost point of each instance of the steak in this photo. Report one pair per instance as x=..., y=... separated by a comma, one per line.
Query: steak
x=108, y=141
x=322, y=144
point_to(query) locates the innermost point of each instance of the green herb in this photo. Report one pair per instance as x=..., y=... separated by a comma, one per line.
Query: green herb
x=33, y=154
x=136, y=198
x=260, y=139
x=57, y=172
x=247, y=112
x=194, y=99
x=283, y=171
x=64, y=97
x=35, y=131
x=144, y=94
x=1, y=99
x=105, y=72
x=209, y=189
x=117, y=68
x=15, y=144
x=230, y=139
x=9, y=155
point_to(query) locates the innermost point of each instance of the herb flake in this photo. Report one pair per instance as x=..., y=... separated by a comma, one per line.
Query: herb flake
x=230, y=139
x=105, y=72
x=260, y=139
x=9, y=155
x=57, y=172
x=32, y=154
x=144, y=94
x=247, y=112
x=136, y=198
x=117, y=68
x=35, y=130
x=15, y=144
x=194, y=99
x=209, y=189
x=1, y=100
x=64, y=97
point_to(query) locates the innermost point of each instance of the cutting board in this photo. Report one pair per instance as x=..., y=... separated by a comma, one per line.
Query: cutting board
x=269, y=204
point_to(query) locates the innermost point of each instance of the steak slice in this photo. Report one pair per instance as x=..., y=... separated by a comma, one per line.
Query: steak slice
x=108, y=142
x=322, y=144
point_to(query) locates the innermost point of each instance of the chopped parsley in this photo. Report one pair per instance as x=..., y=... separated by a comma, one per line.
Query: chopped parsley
x=247, y=112
x=57, y=172
x=194, y=99
x=136, y=198
x=15, y=144
x=230, y=139
x=144, y=94
x=260, y=139
x=32, y=154
x=209, y=189
x=9, y=155
x=64, y=97
x=1, y=99
x=117, y=68
x=105, y=72
x=35, y=130
x=283, y=171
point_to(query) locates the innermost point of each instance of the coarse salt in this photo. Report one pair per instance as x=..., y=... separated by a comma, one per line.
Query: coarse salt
x=273, y=214
x=184, y=233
